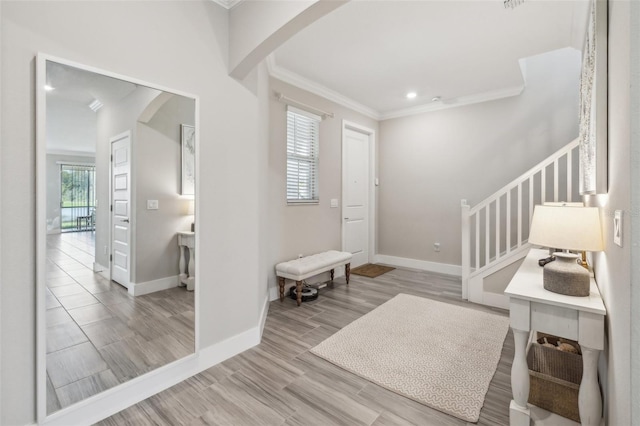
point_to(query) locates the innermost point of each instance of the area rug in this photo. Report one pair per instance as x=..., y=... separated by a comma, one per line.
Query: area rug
x=438, y=354
x=371, y=271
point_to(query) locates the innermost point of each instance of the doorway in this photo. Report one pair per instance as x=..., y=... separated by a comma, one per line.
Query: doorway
x=358, y=195
x=121, y=208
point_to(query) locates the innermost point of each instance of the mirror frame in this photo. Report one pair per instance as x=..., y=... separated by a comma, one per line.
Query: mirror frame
x=152, y=379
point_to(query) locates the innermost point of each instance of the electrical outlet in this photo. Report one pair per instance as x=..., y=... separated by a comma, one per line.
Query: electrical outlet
x=152, y=205
x=436, y=247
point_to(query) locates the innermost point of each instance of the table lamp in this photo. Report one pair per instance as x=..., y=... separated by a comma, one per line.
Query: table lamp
x=567, y=228
x=190, y=211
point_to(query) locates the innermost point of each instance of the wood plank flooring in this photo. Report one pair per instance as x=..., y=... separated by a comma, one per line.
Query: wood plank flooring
x=279, y=382
x=97, y=335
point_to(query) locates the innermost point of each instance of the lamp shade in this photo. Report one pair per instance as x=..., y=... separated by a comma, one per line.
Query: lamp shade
x=567, y=228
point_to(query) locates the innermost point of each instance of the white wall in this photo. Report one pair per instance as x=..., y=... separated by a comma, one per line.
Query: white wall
x=158, y=177
x=613, y=266
x=71, y=126
x=429, y=162
x=258, y=27
x=175, y=44
x=634, y=221
x=306, y=229
x=113, y=120
x=53, y=187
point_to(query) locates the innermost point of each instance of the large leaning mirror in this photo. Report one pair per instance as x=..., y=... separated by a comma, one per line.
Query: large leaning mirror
x=117, y=212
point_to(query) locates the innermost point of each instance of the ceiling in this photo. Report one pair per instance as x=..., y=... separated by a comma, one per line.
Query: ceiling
x=71, y=124
x=369, y=54
x=77, y=85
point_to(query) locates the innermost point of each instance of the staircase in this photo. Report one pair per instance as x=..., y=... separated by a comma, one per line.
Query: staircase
x=495, y=232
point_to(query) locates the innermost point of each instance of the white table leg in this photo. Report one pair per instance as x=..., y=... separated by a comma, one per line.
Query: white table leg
x=192, y=272
x=589, y=398
x=183, y=269
x=519, y=413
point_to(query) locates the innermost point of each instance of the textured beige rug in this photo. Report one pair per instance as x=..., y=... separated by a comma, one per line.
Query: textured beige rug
x=438, y=354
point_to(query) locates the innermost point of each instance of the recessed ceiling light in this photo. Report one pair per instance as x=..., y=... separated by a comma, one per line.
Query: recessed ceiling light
x=95, y=105
x=435, y=99
x=48, y=88
x=411, y=95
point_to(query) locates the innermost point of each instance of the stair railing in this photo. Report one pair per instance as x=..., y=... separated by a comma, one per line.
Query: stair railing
x=498, y=226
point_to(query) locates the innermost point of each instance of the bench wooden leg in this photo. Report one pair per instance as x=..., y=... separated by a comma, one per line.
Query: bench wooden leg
x=347, y=270
x=299, y=292
x=281, y=284
x=332, y=271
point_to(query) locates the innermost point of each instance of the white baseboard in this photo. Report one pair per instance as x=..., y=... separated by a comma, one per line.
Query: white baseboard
x=264, y=313
x=111, y=401
x=440, y=268
x=139, y=289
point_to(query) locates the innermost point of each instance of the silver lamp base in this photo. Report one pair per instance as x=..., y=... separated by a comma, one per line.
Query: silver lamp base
x=566, y=276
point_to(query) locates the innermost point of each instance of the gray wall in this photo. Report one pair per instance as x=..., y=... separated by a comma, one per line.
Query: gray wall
x=613, y=266
x=158, y=177
x=53, y=187
x=306, y=229
x=429, y=162
x=180, y=45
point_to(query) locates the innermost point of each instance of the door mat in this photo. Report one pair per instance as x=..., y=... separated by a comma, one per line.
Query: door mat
x=371, y=271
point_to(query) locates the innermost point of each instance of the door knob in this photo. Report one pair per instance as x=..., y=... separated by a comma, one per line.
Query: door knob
x=125, y=220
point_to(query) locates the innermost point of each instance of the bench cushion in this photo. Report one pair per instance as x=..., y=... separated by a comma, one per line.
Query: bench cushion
x=309, y=266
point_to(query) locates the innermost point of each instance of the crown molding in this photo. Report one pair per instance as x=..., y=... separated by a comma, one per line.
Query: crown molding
x=297, y=80
x=227, y=4
x=70, y=153
x=455, y=102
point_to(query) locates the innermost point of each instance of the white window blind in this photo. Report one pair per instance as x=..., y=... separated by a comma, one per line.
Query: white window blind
x=302, y=156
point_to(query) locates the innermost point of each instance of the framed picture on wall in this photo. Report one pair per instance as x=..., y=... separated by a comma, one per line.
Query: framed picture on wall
x=593, y=103
x=188, y=140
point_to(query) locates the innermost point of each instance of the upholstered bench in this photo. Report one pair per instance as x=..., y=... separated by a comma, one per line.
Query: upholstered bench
x=308, y=266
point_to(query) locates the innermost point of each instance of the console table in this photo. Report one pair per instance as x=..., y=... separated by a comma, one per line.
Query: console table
x=576, y=318
x=188, y=270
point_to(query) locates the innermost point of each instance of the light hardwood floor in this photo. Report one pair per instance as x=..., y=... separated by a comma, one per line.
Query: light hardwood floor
x=279, y=382
x=99, y=336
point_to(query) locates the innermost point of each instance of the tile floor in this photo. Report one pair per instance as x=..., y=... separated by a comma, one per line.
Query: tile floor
x=99, y=336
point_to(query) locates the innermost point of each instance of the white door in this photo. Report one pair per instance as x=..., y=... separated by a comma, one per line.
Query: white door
x=355, y=196
x=121, y=208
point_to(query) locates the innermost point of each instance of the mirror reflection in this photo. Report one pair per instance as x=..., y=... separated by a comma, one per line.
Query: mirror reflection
x=120, y=246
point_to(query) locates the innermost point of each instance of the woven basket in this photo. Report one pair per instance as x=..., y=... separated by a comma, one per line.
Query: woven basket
x=554, y=380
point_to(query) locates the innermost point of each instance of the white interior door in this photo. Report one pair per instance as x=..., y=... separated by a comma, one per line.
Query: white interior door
x=121, y=208
x=355, y=196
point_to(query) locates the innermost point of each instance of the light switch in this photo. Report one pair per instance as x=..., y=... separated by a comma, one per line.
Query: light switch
x=152, y=205
x=334, y=203
x=617, y=227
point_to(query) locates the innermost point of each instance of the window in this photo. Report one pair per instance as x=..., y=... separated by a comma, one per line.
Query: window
x=302, y=156
x=77, y=197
